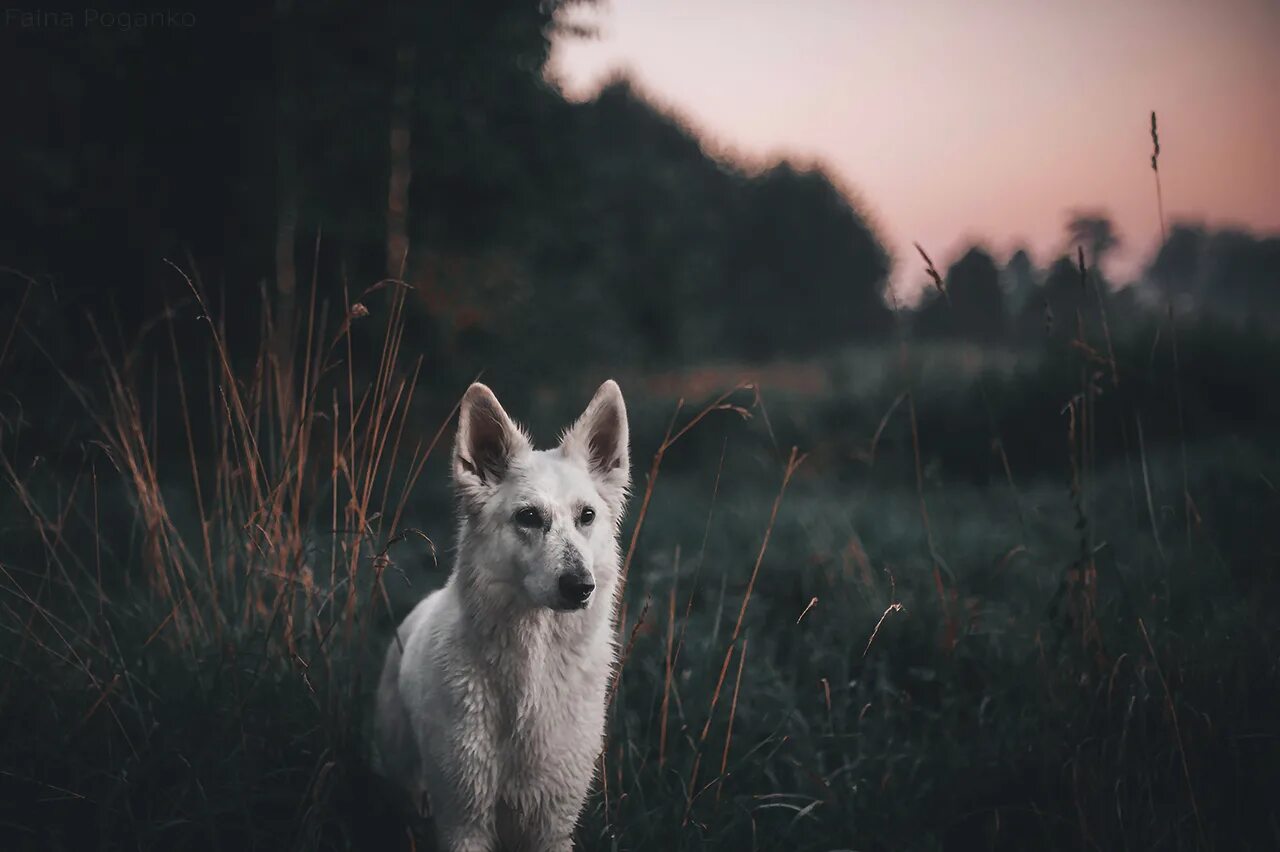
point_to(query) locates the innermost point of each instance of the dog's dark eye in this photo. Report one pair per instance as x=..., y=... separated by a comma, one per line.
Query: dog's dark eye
x=587, y=515
x=529, y=518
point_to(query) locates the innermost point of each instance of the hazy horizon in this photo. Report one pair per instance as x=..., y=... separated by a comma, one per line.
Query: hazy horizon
x=988, y=123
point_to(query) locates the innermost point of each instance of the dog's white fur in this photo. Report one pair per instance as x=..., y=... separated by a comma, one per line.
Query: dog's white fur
x=494, y=709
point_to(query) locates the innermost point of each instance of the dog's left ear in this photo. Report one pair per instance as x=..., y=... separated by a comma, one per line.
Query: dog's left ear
x=600, y=439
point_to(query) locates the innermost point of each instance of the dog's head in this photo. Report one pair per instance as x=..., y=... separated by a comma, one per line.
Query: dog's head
x=544, y=522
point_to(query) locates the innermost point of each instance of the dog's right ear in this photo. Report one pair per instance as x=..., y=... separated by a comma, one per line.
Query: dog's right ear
x=486, y=443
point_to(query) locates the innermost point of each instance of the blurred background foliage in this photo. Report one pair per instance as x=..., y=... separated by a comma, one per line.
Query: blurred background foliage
x=258, y=150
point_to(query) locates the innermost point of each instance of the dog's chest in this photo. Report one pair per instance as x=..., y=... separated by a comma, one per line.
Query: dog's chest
x=551, y=716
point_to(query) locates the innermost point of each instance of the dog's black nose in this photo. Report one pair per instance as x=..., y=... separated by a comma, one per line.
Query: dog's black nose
x=576, y=588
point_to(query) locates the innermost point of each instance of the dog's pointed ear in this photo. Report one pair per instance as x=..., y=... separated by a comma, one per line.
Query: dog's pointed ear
x=600, y=439
x=486, y=443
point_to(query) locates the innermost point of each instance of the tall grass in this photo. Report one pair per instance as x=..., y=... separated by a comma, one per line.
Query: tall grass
x=274, y=586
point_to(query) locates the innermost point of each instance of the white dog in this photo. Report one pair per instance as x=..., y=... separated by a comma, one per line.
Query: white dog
x=492, y=701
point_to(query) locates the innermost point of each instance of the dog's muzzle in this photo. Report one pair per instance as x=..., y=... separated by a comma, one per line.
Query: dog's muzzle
x=576, y=589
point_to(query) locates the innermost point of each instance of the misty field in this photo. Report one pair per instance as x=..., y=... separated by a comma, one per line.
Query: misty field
x=981, y=600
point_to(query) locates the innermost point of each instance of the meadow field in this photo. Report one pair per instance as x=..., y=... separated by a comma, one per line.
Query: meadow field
x=913, y=597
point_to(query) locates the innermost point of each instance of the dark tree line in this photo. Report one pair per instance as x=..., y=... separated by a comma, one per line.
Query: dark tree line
x=1228, y=274
x=345, y=142
x=1231, y=271
x=1019, y=304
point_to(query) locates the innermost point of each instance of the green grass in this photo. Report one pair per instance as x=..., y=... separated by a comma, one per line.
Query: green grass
x=1068, y=667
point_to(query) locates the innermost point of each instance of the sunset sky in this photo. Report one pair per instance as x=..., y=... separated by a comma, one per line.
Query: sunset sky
x=988, y=120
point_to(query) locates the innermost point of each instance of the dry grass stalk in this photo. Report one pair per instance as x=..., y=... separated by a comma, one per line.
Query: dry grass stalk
x=733, y=712
x=655, y=466
x=793, y=464
x=1177, y=732
x=666, y=679
x=951, y=631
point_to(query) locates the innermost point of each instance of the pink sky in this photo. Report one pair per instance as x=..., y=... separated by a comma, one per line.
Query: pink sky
x=986, y=120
